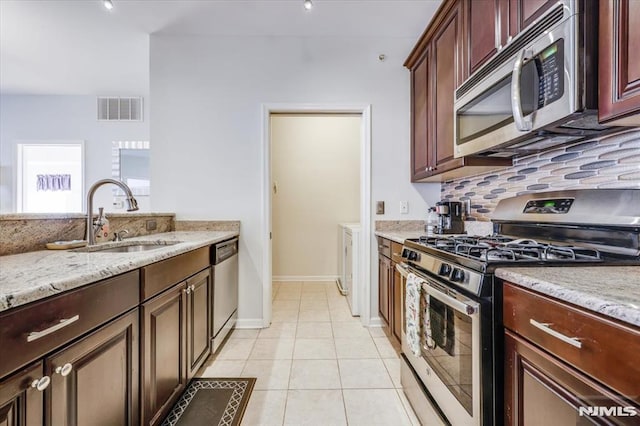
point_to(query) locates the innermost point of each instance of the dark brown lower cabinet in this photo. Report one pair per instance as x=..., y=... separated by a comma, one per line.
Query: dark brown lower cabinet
x=541, y=390
x=384, y=288
x=397, y=284
x=20, y=402
x=163, y=352
x=198, y=321
x=95, y=381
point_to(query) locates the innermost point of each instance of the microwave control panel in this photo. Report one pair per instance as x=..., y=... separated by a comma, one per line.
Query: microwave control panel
x=550, y=68
x=551, y=206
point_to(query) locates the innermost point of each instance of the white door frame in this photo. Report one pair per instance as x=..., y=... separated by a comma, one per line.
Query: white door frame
x=365, y=195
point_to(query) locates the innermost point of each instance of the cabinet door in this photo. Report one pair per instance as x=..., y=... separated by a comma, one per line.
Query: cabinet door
x=447, y=75
x=95, y=380
x=420, y=116
x=541, y=390
x=20, y=402
x=198, y=320
x=398, y=303
x=163, y=353
x=524, y=12
x=384, y=282
x=619, y=68
x=483, y=31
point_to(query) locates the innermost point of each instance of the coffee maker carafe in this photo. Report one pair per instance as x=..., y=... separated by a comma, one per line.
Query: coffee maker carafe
x=450, y=217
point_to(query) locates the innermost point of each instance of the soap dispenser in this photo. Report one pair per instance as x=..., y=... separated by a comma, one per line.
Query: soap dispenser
x=101, y=227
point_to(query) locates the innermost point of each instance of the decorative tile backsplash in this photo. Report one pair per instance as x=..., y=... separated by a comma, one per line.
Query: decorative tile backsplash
x=609, y=162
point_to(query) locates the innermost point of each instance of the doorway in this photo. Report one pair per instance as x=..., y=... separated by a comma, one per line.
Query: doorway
x=300, y=165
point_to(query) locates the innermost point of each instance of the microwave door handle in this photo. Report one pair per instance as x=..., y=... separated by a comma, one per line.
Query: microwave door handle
x=522, y=123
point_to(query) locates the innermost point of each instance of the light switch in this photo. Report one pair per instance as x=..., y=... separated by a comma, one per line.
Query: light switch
x=379, y=207
x=404, y=207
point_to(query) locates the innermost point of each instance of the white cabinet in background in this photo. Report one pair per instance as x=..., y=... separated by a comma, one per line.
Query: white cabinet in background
x=348, y=261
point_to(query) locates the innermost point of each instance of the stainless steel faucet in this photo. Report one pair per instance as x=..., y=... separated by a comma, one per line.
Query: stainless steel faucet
x=132, y=205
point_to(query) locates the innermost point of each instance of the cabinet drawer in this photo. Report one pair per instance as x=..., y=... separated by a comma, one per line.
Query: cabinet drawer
x=384, y=247
x=29, y=332
x=608, y=350
x=159, y=276
x=396, y=252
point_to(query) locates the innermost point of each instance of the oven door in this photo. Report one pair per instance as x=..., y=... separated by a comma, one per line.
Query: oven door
x=451, y=350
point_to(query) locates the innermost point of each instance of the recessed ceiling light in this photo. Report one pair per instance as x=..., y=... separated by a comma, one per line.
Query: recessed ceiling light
x=107, y=4
x=307, y=4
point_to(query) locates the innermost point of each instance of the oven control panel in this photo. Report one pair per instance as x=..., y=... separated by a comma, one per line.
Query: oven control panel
x=550, y=206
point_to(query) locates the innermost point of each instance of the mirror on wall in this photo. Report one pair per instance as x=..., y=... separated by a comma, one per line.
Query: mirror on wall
x=130, y=164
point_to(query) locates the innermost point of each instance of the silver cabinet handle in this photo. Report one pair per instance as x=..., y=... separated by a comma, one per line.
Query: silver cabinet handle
x=546, y=327
x=187, y=290
x=35, y=335
x=193, y=287
x=65, y=370
x=41, y=384
x=523, y=124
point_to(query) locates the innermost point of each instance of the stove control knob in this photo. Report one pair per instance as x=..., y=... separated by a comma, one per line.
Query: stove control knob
x=445, y=269
x=412, y=255
x=457, y=275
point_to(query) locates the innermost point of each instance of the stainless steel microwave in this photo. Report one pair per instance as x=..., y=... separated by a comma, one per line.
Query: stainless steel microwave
x=539, y=91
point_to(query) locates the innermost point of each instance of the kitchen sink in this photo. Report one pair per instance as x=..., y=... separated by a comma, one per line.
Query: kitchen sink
x=130, y=247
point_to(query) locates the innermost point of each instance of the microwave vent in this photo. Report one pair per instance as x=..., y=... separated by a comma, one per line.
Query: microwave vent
x=542, y=25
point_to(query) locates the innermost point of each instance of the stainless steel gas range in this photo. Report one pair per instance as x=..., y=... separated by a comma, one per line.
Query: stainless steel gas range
x=457, y=376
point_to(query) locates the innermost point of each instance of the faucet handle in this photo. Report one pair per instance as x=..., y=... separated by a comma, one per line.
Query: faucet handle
x=117, y=236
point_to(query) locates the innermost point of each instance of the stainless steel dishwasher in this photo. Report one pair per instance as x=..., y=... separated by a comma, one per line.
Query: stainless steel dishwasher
x=225, y=290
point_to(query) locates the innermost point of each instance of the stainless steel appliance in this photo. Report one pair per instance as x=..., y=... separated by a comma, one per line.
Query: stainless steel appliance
x=539, y=91
x=459, y=372
x=225, y=290
x=449, y=217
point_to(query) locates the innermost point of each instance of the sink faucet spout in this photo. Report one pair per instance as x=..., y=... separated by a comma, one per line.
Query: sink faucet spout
x=132, y=204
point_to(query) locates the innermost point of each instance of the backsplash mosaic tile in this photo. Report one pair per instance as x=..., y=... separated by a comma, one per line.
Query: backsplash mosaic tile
x=610, y=162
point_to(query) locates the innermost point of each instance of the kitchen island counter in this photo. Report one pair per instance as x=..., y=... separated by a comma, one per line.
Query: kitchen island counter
x=29, y=277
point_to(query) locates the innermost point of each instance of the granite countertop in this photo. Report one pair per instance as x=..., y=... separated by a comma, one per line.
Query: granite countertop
x=32, y=276
x=399, y=236
x=613, y=291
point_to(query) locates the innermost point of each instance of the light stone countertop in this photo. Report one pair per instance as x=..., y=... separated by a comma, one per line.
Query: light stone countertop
x=36, y=275
x=613, y=291
x=399, y=236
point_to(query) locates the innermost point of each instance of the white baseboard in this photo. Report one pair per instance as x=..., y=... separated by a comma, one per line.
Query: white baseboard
x=305, y=278
x=376, y=322
x=249, y=323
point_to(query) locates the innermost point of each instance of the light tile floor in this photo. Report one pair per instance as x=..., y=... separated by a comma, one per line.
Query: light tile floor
x=316, y=364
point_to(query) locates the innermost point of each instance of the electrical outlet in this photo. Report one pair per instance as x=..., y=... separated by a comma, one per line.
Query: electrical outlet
x=152, y=225
x=404, y=207
x=379, y=207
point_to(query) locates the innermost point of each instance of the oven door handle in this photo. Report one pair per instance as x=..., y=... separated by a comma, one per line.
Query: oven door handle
x=404, y=271
x=467, y=308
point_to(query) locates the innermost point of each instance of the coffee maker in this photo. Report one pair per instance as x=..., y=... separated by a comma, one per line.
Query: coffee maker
x=450, y=217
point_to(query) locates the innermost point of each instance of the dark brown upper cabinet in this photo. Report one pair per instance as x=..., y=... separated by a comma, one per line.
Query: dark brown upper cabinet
x=439, y=63
x=619, y=68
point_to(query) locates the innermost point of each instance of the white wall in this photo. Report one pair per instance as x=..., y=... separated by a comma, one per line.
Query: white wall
x=315, y=165
x=34, y=118
x=206, y=100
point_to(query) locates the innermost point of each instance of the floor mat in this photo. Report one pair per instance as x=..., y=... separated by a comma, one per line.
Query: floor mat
x=211, y=402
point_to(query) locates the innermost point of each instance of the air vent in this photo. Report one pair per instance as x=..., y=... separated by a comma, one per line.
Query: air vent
x=120, y=109
x=519, y=43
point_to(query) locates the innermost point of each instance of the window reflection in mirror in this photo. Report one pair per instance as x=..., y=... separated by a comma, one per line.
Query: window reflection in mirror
x=130, y=160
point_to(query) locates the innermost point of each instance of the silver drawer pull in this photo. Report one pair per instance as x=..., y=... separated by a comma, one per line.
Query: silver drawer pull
x=65, y=370
x=35, y=335
x=546, y=327
x=41, y=384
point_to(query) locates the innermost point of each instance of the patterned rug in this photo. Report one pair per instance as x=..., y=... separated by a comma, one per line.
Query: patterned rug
x=211, y=402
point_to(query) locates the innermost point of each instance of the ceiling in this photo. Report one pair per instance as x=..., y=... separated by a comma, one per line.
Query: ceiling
x=79, y=47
